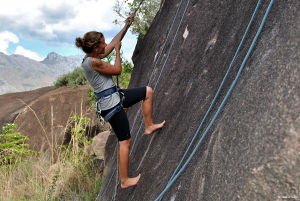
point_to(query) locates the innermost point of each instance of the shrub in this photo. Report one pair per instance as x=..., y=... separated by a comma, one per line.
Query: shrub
x=125, y=76
x=73, y=79
x=76, y=175
x=12, y=145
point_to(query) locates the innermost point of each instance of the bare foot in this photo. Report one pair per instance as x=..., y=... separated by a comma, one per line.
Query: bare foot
x=130, y=182
x=154, y=127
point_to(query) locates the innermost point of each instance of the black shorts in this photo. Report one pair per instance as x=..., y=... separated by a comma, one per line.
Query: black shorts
x=119, y=122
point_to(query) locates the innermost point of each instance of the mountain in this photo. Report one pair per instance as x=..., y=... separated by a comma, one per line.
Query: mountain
x=61, y=64
x=19, y=73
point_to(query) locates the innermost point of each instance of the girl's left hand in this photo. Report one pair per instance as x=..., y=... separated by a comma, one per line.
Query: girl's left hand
x=129, y=20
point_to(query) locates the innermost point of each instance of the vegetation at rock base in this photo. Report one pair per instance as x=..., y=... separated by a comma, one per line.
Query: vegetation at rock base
x=12, y=145
x=35, y=176
x=127, y=68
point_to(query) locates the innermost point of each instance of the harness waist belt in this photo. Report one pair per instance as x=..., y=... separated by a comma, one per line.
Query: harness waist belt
x=106, y=92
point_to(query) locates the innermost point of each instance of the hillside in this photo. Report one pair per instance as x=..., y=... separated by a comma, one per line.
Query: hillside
x=19, y=73
x=44, y=113
x=251, y=151
x=50, y=118
x=46, y=119
x=13, y=103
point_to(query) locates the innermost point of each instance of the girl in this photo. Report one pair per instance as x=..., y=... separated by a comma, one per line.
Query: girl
x=99, y=74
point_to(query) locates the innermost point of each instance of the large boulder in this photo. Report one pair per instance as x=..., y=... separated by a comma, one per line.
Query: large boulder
x=12, y=103
x=46, y=120
x=252, y=150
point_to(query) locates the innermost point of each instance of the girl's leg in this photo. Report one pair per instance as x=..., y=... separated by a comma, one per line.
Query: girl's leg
x=120, y=125
x=123, y=165
x=147, y=107
x=134, y=95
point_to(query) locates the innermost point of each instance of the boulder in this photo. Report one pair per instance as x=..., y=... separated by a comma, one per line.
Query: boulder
x=12, y=103
x=97, y=147
x=46, y=120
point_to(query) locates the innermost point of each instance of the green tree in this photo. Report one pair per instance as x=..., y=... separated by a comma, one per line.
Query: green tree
x=12, y=145
x=144, y=16
x=127, y=68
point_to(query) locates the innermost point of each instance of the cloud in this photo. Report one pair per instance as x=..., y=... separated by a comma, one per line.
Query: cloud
x=54, y=14
x=57, y=21
x=28, y=53
x=7, y=37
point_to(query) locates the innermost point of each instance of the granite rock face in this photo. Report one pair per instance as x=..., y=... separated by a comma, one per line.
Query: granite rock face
x=252, y=150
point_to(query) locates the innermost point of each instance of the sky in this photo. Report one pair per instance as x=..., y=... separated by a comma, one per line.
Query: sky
x=34, y=28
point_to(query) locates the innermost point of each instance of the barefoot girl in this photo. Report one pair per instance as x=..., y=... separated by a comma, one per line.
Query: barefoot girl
x=109, y=104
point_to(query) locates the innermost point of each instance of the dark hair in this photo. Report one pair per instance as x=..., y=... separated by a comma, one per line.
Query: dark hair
x=89, y=41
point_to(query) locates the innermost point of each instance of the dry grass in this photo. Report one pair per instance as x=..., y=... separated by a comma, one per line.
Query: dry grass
x=68, y=176
x=37, y=179
x=26, y=180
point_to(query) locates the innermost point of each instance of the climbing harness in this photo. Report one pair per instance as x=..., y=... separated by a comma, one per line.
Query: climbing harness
x=104, y=94
x=176, y=173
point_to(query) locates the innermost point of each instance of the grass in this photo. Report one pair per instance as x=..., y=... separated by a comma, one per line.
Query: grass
x=70, y=175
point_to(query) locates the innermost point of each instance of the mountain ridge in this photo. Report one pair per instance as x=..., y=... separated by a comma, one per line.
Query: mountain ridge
x=20, y=73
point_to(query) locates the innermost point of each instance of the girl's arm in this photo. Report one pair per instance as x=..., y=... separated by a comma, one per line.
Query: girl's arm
x=109, y=48
x=106, y=68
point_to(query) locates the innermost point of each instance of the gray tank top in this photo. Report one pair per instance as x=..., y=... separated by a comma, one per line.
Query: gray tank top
x=100, y=82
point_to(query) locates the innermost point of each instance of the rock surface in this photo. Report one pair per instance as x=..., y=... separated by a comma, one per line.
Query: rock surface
x=13, y=103
x=97, y=147
x=252, y=150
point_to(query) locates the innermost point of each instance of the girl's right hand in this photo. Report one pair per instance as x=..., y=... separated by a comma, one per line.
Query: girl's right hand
x=118, y=46
x=130, y=19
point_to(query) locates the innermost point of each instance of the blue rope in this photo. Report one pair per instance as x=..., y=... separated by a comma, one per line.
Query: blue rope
x=155, y=64
x=187, y=5
x=179, y=25
x=221, y=106
x=139, y=111
x=174, y=19
x=106, y=188
x=167, y=56
x=219, y=90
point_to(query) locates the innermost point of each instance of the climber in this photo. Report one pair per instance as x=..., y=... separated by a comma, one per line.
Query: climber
x=109, y=97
